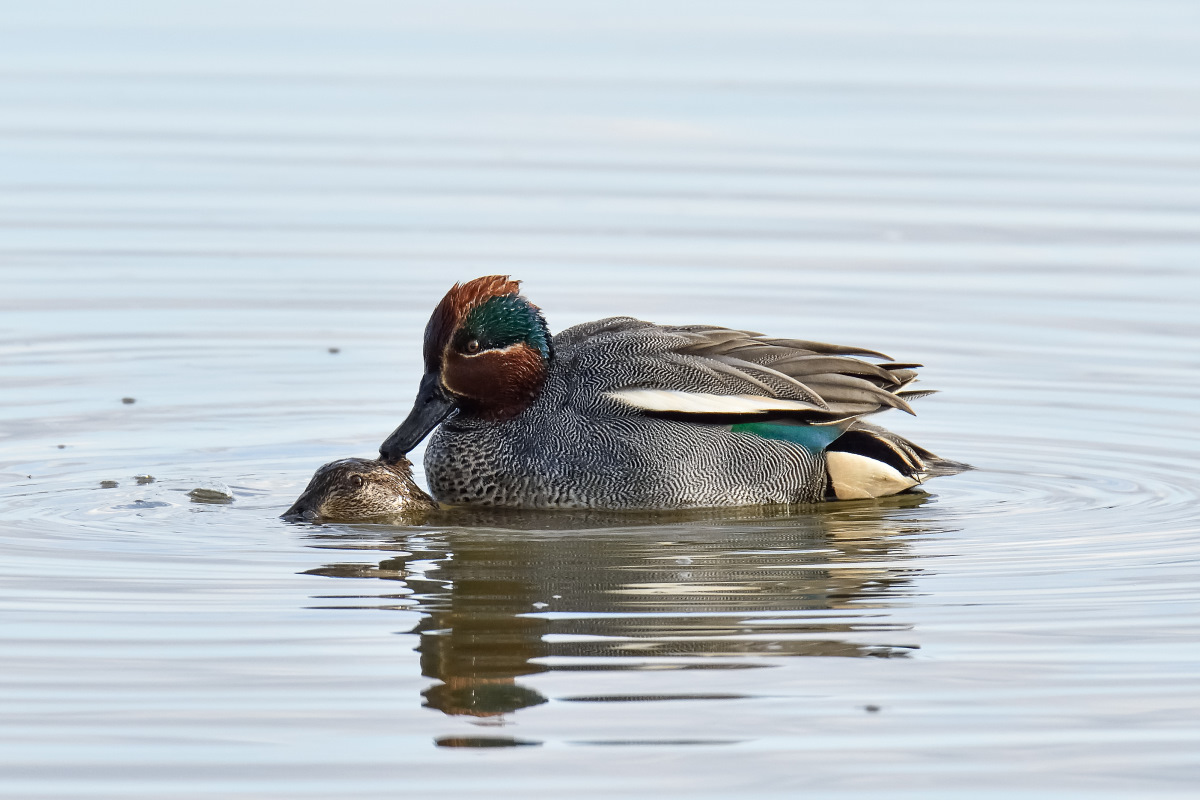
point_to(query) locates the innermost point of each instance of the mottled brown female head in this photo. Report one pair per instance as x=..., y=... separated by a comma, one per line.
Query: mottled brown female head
x=360, y=489
x=487, y=350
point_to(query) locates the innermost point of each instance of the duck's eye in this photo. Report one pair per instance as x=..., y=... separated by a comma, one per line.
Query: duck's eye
x=356, y=481
x=471, y=347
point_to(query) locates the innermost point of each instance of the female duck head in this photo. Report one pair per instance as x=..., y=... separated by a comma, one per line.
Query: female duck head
x=356, y=489
x=486, y=352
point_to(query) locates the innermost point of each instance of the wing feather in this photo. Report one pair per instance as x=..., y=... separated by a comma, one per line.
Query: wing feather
x=675, y=402
x=723, y=374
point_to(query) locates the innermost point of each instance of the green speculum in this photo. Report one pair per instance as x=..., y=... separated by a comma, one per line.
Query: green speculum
x=813, y=438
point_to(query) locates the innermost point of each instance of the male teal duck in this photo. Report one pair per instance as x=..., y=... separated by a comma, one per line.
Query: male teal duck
x=625, y=414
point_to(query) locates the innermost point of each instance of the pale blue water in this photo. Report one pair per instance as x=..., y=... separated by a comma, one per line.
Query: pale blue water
x=196, y=203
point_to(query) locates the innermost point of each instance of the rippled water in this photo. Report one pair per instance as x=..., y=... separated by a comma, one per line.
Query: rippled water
x=198, y=208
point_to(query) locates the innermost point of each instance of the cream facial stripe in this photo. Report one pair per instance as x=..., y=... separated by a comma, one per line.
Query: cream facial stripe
x=450, y=349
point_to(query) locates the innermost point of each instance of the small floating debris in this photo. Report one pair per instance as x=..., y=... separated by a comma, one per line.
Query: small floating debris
x=109, y=484
x=212, y=493
x=128, y=400
x=335, y=350
x=143, y=479
x=62, y=447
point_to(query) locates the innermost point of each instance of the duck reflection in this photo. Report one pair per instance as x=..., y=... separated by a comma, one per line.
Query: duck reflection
x=506, y=596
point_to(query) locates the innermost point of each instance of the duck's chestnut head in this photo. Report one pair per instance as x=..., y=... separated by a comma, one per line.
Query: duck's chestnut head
x=487, y=350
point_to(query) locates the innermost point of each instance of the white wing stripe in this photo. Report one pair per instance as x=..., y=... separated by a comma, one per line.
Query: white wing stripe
x=663, y=400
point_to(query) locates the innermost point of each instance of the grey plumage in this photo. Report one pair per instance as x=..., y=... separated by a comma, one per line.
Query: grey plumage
x=579, y=445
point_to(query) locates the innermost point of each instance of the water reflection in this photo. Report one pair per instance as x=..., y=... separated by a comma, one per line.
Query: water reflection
x=530, y=593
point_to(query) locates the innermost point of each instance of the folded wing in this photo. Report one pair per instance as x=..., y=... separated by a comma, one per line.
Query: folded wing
x=720, y=375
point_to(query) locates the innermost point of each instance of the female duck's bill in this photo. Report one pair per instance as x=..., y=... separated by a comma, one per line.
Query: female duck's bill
x=360, y=489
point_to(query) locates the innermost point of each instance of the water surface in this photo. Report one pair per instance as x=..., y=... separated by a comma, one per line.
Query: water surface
x=197, y=208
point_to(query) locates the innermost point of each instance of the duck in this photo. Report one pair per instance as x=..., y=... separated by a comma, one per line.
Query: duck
x=624, y=414
x=362, y=490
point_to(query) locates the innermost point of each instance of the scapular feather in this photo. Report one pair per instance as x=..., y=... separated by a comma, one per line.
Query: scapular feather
x=672, y=400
